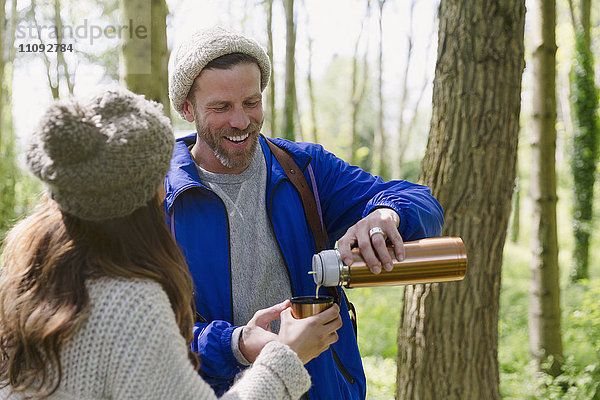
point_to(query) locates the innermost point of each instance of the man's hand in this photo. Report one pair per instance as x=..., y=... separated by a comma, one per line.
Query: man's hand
x=257, y=332
x=371, y=240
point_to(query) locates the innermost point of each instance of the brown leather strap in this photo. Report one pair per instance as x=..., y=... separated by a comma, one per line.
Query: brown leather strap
x=296, y=177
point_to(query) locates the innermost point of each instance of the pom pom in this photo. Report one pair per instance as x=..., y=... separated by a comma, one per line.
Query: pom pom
x=69, y=134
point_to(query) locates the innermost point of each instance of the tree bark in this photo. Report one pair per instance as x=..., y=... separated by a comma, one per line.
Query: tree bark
x=144, y=53
x=544, y=313
x=448, y=335
x=290, y=68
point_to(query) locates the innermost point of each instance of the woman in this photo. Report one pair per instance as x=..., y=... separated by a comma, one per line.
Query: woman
x=95, y=296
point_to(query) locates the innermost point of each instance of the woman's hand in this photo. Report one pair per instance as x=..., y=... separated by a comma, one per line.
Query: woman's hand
x=310, y=336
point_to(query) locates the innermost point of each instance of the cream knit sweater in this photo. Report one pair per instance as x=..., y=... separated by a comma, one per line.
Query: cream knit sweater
x=130, y=348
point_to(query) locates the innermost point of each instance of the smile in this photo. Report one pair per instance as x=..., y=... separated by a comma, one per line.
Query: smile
x=237, y=139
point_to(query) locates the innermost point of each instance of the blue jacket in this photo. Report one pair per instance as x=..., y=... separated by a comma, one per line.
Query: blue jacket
x=198, y=219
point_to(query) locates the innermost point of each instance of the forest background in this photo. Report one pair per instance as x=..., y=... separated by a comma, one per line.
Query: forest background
x=360, y=82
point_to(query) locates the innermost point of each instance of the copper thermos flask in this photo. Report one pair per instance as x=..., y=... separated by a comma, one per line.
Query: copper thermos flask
x=430, y=260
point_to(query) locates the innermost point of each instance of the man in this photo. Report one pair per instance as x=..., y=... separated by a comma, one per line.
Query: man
x=240, y=222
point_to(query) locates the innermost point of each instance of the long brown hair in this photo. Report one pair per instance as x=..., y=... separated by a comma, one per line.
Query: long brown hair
x=43, y=297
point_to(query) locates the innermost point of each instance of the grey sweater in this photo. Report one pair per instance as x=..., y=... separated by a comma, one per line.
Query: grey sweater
x=258, y=272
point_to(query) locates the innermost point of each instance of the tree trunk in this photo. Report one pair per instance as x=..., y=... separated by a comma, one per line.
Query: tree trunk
x=405, y=130
x=586, y=129
x=61, y=63
x=357, y=90
x=290, y=74
x=380, y=164
x=448, y=335
x=403, y=135
x=144, y=53
x=311, y=94
x=9, y=170
x=271, y=113
x=544, y=313
x=54, y=84
x=298, y=133
x=515, y=224
x=3, y=30
x=586, y=12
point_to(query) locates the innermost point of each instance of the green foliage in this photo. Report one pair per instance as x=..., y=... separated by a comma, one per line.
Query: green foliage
x=8, y=176
x=580, y=379
x=584, y=97
x=378, y=311
x=581, y=337
x=513, y=335
x=411, y=170
x=9, y=172
x=22, y=193
x=381, y=377
x=332, y=98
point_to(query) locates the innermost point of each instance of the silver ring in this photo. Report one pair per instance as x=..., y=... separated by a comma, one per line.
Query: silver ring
x=376, y=230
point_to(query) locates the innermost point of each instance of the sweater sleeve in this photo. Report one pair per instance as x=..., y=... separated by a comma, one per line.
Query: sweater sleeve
x=277, y=373
x=151, y=360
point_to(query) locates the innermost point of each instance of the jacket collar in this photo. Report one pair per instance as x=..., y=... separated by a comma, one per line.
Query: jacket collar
x=301, y=157
x=183, y=174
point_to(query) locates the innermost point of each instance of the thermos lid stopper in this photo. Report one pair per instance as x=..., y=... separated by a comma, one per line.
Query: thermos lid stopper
x=326, y=268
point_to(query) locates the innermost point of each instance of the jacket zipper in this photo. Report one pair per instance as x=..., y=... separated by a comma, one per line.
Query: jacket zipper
x=341, y=367
x=200, y=318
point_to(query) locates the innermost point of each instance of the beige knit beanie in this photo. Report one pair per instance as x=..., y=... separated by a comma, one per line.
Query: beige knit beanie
x=192, y=55
x=103, y=157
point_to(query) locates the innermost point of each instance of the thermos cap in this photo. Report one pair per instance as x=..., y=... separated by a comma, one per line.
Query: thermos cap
x=326, y=268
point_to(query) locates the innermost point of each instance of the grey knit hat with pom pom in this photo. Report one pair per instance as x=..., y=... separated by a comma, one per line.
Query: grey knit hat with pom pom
x=202, y=47
x=103, y=157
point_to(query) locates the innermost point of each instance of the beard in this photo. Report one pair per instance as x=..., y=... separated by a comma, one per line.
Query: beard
x=231, y=158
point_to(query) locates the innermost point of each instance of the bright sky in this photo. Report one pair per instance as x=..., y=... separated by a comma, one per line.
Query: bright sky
x=333, y=24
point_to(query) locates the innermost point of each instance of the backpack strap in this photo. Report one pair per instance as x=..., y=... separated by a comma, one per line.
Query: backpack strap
x=311, y=212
